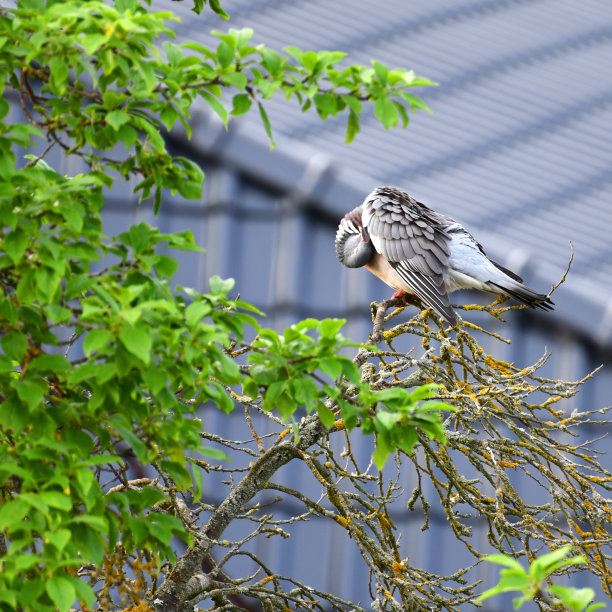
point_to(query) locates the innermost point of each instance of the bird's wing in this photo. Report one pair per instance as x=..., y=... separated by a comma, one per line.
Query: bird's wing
x=412, y=238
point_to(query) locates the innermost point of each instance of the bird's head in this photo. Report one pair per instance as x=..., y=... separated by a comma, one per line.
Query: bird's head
x=353, y=245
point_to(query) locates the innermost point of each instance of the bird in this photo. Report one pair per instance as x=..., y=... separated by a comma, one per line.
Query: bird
x=422, y=253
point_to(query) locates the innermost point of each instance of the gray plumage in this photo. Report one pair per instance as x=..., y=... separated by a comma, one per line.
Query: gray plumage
x=423, y=253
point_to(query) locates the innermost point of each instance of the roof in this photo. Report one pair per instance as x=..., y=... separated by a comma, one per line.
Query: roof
x=519, y=145
x=518, y=149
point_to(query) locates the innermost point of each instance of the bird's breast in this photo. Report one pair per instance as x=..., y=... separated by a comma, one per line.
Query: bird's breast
x=381, y=268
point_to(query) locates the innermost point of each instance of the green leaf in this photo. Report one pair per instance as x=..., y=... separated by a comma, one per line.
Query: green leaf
x=331, y=366
x=250, y=388
x=305, y=391
x=264, y=375
x=178, y=473
x=511, y=580
x=169, y=115
x=271, y=60
x=15, y=244
x=196, y=311
x=329, y=328
x=92, y=42
x=423, y=392
x=268, y=88
x=505, y=560
x=117, y=118
x=59, y=538
x=10, y=598
x=382, y=452
x=220, y=286
x=198, y=482
x=190, y=189
x=55, y=499
x=84, y=591
x=59, y=73
x=166, y=266
x=13, y=416
x=387, y=419
x=8, y=311
x=266, y=123
x=86, y=480
x=216, y=105
x=352, y=127
x=325, y=414
x=99, y=523
x=225, y=54
x=546, y=564
x=77, y=285
x=403, y=114
x=295, y=52
x=215, y=5
x=30, y=392
x=12, y=513
x=47, y=282
x=237, y=79
x=128, y=135
x=95, y=340
x=381, y=72
x=139, y=448
x=221, y=398
x=350, y=370
x=386, y=112
x=575, y=599
x=241, y=103
x=57, y=313
x=50, y=363
x=388, y=396
x=137, y=341
x=415, y=102
x=406, y=438
x=15, y=345
x=61, y=591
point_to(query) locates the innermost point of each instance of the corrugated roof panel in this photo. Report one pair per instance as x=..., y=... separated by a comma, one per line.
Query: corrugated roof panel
x=512, y=106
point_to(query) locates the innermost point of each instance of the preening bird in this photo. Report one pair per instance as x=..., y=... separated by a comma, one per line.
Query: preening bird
x=422, y=253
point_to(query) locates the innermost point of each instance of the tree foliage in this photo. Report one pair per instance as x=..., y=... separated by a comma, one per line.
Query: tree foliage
x=534, y=581
x=104, y=362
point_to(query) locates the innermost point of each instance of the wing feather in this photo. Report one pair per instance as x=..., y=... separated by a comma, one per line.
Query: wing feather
x=429, y=290
x=413, y=239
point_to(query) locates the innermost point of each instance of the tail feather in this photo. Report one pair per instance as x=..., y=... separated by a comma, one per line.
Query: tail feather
x=526, y=296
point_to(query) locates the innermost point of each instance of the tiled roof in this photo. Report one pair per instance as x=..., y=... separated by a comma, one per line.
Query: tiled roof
x=519, y=146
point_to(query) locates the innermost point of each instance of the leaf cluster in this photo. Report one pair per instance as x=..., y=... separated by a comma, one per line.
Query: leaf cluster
x=296, y=369
x=533, y=582
x=103, y=361
x=108, y=82
x=140, y=358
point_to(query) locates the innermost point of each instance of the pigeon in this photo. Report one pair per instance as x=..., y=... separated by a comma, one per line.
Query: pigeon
x=422, y=253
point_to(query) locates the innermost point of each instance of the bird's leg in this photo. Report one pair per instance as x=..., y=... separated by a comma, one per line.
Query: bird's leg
x=403, y=299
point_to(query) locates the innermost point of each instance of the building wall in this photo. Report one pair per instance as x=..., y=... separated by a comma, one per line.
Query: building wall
x=279, y=248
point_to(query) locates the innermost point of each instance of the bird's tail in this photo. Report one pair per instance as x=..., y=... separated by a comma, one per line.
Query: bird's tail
x=525, y=295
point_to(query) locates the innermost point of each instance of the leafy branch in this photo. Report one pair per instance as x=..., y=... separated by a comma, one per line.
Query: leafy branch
x=106, y=83
x=532, y=582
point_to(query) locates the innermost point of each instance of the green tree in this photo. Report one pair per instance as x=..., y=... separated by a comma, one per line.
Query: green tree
x=108, y=367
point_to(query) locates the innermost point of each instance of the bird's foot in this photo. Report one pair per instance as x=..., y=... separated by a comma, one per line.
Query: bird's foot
x=402, y=298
